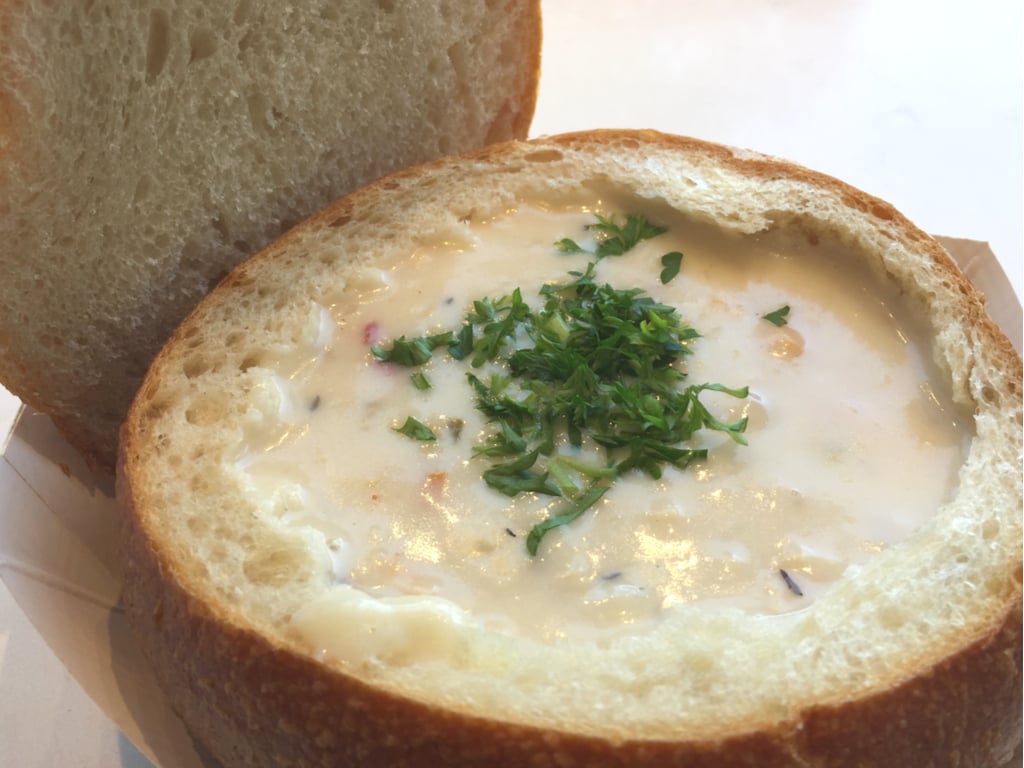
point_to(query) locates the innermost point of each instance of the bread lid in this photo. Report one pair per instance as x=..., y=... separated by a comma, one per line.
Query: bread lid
x=145, y=152
x=914, y=655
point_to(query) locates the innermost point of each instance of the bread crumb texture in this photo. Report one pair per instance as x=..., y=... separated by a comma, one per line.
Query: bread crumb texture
x=926, y=634
x=146, y=148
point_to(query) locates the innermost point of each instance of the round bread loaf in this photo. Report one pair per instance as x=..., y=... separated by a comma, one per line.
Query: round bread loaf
x=911, y=657
x=147, y=148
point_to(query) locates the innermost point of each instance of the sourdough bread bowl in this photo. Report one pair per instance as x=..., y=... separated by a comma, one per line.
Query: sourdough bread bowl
x=147, y=148
x=274, y=652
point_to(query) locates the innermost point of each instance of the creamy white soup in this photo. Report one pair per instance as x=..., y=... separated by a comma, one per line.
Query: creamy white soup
x=850, y=444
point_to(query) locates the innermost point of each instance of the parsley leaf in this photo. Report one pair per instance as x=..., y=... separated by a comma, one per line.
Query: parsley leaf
x=670, y=264
x=778, y=317
x=620, y=238
x=516, y=476
x=566, y=245
x=412, y=352
x=417, y=430
x=463, y=345
x=574, y=509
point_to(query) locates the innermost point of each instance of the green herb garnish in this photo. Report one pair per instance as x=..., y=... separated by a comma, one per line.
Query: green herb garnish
x=416, y=430
x=518, y=476
x=413, y=351
x=670, y=264
x=582, y=389
x=617, y=238
x=576, y=508
x=614, y=239
x=566, y=245
x=779, y=316
x=420, y=381
x=462, y=346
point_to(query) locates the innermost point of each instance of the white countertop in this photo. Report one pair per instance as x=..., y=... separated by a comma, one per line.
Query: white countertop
x=918, y=103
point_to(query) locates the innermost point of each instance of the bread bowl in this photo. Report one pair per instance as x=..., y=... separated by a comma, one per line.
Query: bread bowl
x=245, y=597
x=145, y=149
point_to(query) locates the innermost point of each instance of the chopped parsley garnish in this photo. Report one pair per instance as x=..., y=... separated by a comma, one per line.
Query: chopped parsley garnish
x=615, y=239
x=417, y=430
x=593, y=370
x=779, y=316
x=412, y=352
x=670, y=264
x=565, y=245
x=574, y=509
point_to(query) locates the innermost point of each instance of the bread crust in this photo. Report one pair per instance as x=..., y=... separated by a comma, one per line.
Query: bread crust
x=257, y=700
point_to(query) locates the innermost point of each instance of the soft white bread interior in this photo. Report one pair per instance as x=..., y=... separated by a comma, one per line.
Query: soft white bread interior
x=146, y=148
x=912, y=659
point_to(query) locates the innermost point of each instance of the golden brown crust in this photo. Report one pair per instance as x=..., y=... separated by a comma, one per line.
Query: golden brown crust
x=254, y=701
x=963, y=711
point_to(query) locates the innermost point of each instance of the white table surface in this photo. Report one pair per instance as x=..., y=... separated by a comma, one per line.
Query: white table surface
x=919, y=103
